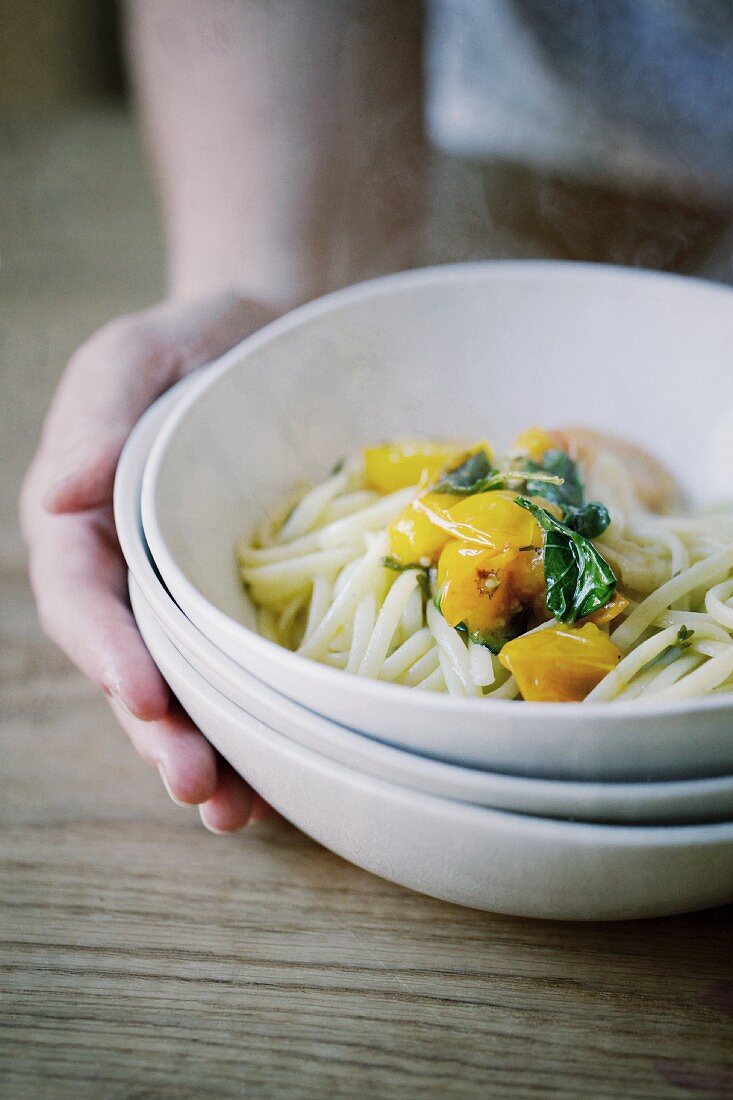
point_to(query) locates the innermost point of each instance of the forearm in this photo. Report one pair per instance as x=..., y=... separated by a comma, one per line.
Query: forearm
x=286, y=139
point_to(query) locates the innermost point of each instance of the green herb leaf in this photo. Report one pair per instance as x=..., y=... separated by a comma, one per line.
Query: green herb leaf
x=579, y=580
x=588, y=518
x=397, y=566
x=474, y=475
x=494, y=640
x=672, y=652
x=422, y=574
x=568, y=491
x=591, y=520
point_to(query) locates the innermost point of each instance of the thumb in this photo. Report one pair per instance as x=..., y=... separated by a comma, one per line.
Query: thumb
x=114, y=376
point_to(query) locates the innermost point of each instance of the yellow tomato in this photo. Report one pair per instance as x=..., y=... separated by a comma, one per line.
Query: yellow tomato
x=414, y=539
x=560, y=664
x=490, y=592
x=610, y=611
x=488, y=519
x=396, y=466
x=536, y=441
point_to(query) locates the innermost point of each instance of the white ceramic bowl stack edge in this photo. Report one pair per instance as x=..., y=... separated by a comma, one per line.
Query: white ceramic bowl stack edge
x=567, y=811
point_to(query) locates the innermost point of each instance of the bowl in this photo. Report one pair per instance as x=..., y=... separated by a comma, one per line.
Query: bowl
x=472, y=350
x=694, y=800
x=665, y=803
x=483, y=858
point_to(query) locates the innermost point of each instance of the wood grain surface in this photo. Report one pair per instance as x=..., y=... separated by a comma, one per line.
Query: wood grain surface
x=143, y=957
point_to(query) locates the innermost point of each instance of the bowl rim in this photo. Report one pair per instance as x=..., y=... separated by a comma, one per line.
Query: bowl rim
x=592, y=833
x=326, y=677
x=145, y=585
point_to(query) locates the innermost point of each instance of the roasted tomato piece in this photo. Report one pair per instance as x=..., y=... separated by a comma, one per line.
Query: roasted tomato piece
x=490, y=519
x=560, y=664
x=414, y=537
x=494, y=595
x=394, y=466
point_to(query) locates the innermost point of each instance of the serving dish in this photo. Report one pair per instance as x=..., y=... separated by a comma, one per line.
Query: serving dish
x=483, y=858
x=692, y=800
x=411, y=355
x=680, y=801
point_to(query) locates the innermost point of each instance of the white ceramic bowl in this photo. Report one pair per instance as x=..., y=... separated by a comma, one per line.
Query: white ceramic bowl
x=695, y=800
x=677, y=802
x=476, y=350
x=487, y=859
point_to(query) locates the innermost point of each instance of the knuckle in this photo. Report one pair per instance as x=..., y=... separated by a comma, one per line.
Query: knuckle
x=131, y=339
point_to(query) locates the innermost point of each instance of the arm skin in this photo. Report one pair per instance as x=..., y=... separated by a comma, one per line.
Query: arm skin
x=287, y=140
x=287, y=145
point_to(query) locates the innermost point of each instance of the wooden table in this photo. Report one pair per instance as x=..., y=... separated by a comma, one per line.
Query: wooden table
x=143, y=957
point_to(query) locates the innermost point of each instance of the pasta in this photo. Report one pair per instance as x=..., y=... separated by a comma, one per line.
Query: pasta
x=540, y=575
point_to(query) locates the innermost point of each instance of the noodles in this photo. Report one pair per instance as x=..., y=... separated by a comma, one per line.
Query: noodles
x=405, y=657
x=363, y=576
x=703, y=572
x=386, y=624
x=481, y=663
x=424, y=667
x=453, y=654
x=717, y=605
x=362, y=632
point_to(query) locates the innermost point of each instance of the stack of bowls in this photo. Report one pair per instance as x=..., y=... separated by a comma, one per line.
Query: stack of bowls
x=573, y=811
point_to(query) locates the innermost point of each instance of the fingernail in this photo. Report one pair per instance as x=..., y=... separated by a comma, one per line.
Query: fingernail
x=211, y=828
x=114, y=695
x=164, y=781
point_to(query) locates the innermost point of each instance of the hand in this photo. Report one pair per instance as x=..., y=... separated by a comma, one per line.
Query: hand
x=77, y=571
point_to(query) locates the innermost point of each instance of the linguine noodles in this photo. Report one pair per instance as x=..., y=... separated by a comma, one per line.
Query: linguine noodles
x=650, y=615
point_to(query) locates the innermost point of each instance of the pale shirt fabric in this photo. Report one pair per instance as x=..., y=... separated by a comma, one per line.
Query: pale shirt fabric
x=632, y=93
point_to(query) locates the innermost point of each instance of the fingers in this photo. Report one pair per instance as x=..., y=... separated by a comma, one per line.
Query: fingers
x=112, y=379
x=231, y=805
x=80, y=583
x=192, y=772
x=184, y=758
x=77, y=571
x=78, y=574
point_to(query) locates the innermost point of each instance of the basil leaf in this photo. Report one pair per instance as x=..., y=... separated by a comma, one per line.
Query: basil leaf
x=423, y=579
x=397, y=566
x=567, y=494
x=591, y=520
x=474, y=475
x=588, y=518
x=579, y=580
x=672, y=652
x=493, y=640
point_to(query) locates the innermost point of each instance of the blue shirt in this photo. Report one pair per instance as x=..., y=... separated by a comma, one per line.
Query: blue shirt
x=631, y=92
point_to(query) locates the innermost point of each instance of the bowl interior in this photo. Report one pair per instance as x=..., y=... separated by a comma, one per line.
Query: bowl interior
x=471, y=350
